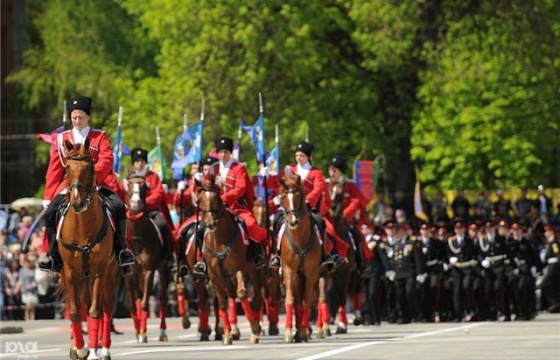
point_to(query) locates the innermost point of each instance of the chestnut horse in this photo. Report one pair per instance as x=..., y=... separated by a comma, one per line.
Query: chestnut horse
x=187, y=247
x=345, y=280
x=85, y=243
x=300, y=252
x=271, y=281
x=229, y=268
x=147, y=245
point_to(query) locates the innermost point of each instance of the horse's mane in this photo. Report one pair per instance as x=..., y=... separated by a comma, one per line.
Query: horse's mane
x=77, y=150
x=291, y=181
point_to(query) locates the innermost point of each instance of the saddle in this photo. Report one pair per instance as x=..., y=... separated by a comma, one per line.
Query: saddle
x=316, y=220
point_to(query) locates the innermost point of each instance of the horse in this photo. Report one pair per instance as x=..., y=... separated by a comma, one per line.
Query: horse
x=146, y=243
x=229, y=269
x=203, y=291
x=85, y=243
x=271, y=291
x=300, y=253
x=345, y=280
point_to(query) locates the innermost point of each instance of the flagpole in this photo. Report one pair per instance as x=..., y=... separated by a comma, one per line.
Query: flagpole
x=265, y=180
x=197, y=208
x=306, y=133
x=185, y=125
x=185, y=120
x=119, y=145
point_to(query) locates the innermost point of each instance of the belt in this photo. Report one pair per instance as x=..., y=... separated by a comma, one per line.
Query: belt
x=466, y=264
x=432, y=262
x=553, y=260
x=496, y=258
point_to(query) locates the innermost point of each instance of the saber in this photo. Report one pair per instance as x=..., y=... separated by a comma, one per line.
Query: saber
x=25, y=245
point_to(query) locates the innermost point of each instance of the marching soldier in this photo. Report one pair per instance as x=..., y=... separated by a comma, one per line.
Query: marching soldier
x=389, y=242
x=410, y=267
x=461, y=259
x=431, y=291
x=551, y=281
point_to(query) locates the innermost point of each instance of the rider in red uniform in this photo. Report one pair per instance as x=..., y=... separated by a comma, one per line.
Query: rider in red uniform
x=56, y=185
x=316, y=195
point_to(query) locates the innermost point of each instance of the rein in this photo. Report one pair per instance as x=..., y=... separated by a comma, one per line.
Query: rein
x=299, y=212
x=90, y=189
x=86, y=249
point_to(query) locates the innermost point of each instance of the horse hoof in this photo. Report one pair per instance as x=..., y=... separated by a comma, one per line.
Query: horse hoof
x=297, y=338
x=262, y=333
x=305, y=338
x=228, y=341
x=186, y=321
x=73, y=353
x=236, y=336
x=92, y=355
x=218, y=337
x=273, y=330
x=254, y=339
x=288, y=339
x=320, y=334
x=204, y=337
x=163, y=338
x=328, y=332
x=341, y=330
x=143, y=339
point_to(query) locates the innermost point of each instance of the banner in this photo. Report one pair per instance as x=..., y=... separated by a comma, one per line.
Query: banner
x=256, y=133
x=236, y=154
x=156, y=162
x=180, y=157
x=365, y=175
x=195, y=135
x=418, y=210
x=273, y=160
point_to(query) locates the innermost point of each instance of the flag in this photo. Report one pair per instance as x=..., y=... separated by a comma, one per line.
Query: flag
x=256, y=133
x=50, y=138
x=236, y=154
x=156, y=162
x=180, y=157
x=418, y=211
x=365, y=175
x=195, y=136
x=273, y=160
x=117, y=152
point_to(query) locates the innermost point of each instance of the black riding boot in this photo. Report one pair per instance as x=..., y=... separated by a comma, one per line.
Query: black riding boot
x=200, y=267
x=276, y=224
x=124, y=257
x=256, y=251
x=51, y=261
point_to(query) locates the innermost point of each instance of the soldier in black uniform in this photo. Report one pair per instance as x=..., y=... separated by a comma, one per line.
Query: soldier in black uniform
x=551, y=281
x=373, y=272
x=389, y=242
x=510, y=291
x=410, y=267
x=461, y=255
x=475, y=234
x=430, y=292
x=527, y=262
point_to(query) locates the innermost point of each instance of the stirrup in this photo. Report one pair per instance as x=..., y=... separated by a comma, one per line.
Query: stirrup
x=260, y=262
x=275, y=262
x=47, y=263
x=200, y=268
x=126, y=258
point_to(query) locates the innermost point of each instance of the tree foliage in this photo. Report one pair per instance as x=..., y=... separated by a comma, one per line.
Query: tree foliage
x=465, y=90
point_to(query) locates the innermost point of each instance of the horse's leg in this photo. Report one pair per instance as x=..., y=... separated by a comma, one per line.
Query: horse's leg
x=203, y=309
x=182, y=302
x=223, y=305
x=95, y=313
x=322, y=309
x=107, y=306
x=289, y=304
x=164, y=281
x=131, y=292
x=78, y=345
x=250, y=313
x=148, y=283
x=232, y=315
x=273, y=309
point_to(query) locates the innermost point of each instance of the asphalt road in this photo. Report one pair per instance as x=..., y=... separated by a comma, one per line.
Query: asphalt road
x=535, y=340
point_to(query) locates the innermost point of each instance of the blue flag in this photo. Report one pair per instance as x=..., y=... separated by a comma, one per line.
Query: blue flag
x=180, y=157
x=117, y=152
x=273, y=160
x=195, y=136
x=257, y=137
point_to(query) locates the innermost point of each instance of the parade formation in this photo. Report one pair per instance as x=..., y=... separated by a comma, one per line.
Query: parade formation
x=317, y=250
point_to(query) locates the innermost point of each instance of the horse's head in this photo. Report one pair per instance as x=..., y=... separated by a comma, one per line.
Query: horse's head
x=292, y=196
x=336, y=191
x=209, y=201
x=259, y=212
x=80, y=175
x=136, y=191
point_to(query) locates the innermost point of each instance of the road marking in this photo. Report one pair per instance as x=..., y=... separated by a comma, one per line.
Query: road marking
x=372, y=343
x=181, y=349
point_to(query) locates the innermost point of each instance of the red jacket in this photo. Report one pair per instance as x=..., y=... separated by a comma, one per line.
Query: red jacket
x=237, y=189
x=187, y=196
x=316, y=189
x=354, y=204
x=101, y=153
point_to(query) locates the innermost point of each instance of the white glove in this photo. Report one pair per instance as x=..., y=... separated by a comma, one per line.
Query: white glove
x=453, y=260
x=390, y=274
x=277, y=201
x=421, y=278
x=198, y=177
x=485, y=263
x=425, y=250
x=534, y=271
x=46, y=203
x=264, y=171
x=516, y=271
x=445, y=267
x=181, y=185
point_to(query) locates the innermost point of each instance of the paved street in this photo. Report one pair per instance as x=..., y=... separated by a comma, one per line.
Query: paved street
x=538, y=340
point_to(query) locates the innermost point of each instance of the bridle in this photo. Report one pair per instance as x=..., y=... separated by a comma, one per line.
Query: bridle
x=89, y=188
x=215, y=213
x=299, y=211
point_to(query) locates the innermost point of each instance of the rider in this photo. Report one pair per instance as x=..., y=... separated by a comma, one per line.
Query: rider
x=237, y=194
x=156, y=203
x=316, y=195
x=56, y=185
x=354, y=207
